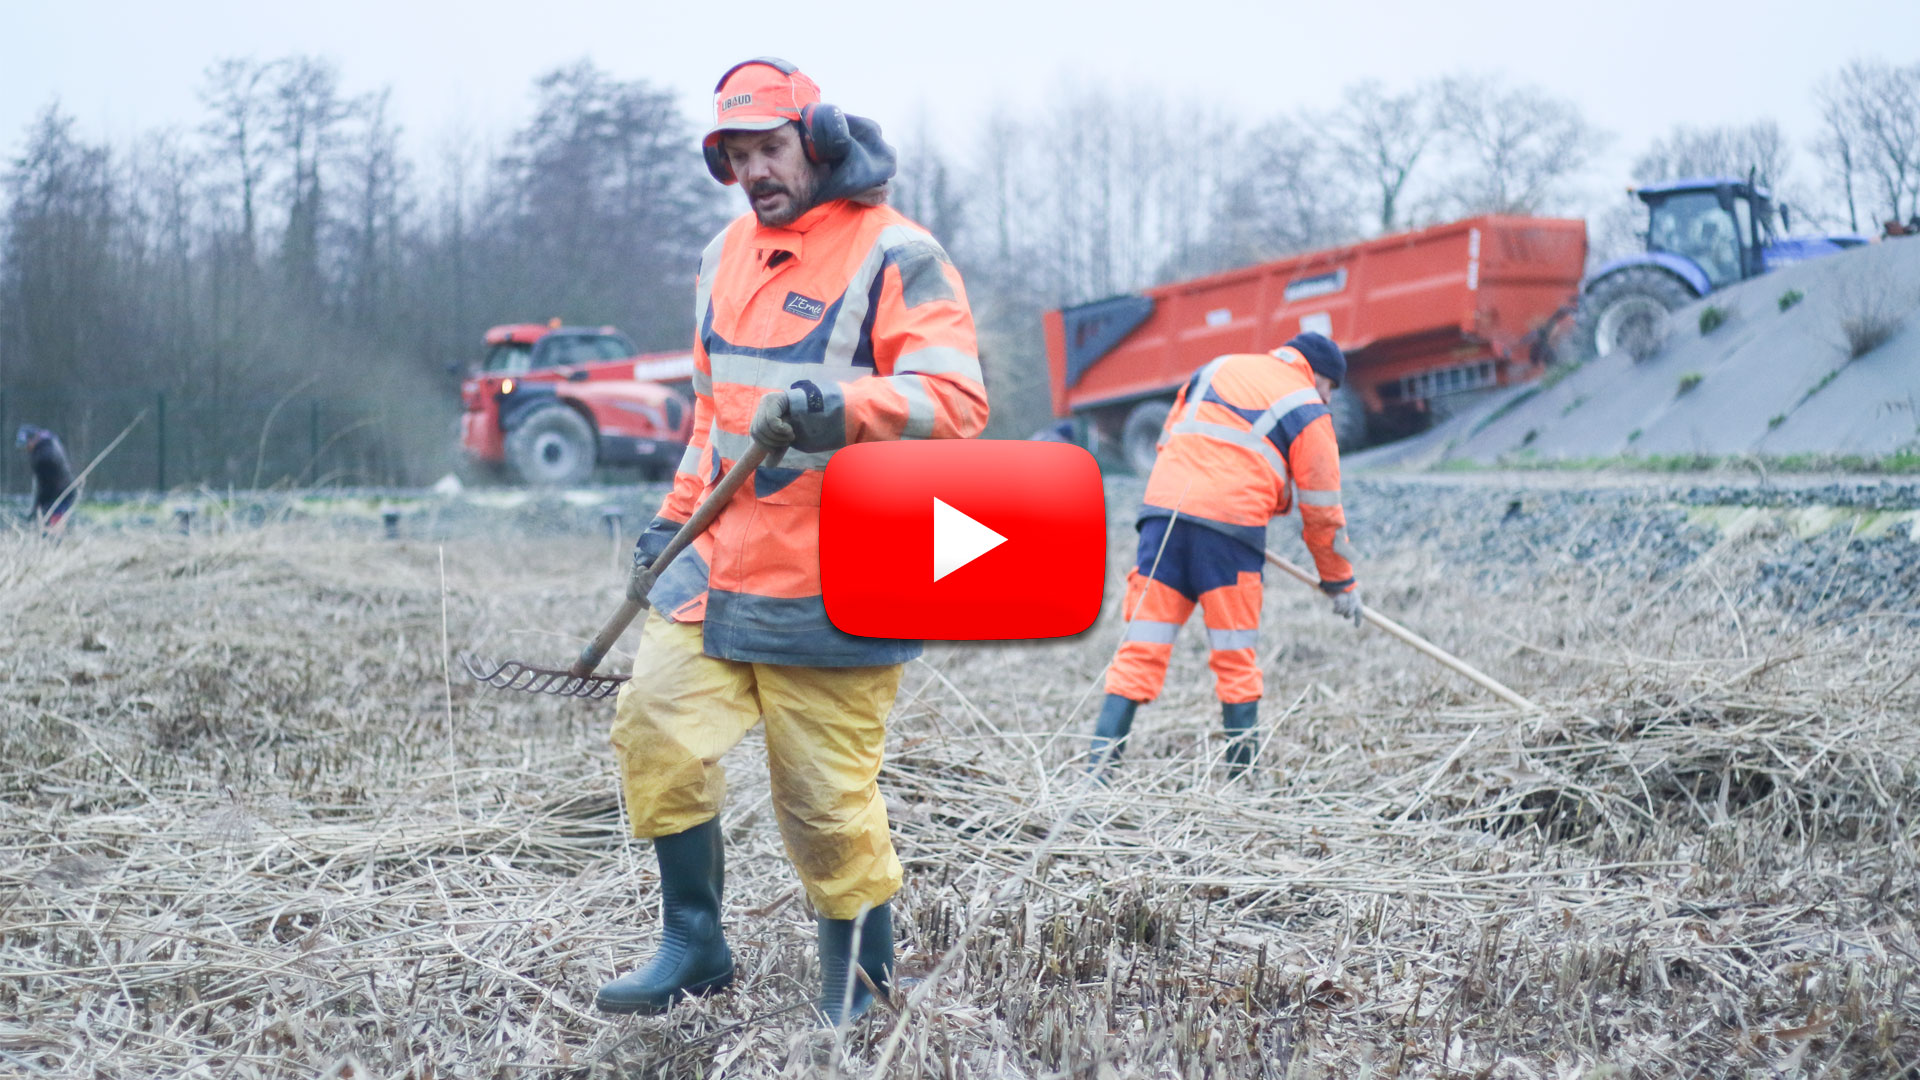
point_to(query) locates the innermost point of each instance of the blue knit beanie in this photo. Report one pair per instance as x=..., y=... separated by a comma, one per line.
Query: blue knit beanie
x=1323, y=356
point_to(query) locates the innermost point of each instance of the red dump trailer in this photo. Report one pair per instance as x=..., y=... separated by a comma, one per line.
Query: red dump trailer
x=1421, y=316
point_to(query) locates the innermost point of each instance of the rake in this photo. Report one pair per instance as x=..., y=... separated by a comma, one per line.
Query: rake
x=579, y=681
x=1419, y=643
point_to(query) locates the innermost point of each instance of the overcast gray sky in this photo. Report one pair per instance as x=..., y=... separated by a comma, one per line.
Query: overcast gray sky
x=464, y=69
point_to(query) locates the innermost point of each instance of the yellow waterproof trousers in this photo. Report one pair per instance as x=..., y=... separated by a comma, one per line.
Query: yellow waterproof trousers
x=683, y=709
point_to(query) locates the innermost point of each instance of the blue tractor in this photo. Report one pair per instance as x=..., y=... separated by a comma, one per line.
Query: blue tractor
x=1703, y=234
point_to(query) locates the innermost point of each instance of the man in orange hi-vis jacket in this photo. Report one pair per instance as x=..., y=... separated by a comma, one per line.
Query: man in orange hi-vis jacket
x=824, y=318
x=1249, y=437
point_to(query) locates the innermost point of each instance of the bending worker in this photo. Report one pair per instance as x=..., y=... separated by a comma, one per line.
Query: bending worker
x=825, y=318
x=52, y=475
x=1249, y=435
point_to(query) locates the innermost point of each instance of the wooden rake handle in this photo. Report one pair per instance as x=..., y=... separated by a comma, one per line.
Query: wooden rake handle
x=636, y=601
x=1498, y=689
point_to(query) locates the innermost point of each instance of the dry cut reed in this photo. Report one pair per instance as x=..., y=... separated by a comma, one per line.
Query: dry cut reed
x=247, y=829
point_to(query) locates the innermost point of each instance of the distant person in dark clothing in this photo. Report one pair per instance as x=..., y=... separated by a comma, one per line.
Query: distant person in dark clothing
x=52, y=474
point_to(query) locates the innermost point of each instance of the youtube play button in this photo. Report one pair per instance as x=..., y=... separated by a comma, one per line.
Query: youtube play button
x=958, y=539
x=962, y=539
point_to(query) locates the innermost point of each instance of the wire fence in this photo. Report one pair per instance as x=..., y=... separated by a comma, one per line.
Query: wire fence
x=181, y=440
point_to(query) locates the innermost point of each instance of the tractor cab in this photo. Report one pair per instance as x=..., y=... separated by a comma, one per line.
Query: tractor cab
x=1703, y=234
x=523, y=347
x=1721, y=226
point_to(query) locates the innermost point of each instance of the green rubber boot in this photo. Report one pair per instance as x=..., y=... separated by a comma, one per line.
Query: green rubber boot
x=1240, y=720
x=693, y=957
x=844, y=996
x=1110, y=731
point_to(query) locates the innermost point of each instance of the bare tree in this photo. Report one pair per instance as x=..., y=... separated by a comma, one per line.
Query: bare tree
x=1727, y=150
x=1285, y=198
x=600, y=193
x=307, y=112
x=161, y=245
x=371, y=232
x=924, y=187
x=1070, y=237
x=236, y=95
x=1208, y=157
x=1518, y=144
x=1001, y=153
x=59, y=257
x=1838, y=148
x=1103, y=193
x=1758, y=150
x=1871, y=112
x=1380, y=137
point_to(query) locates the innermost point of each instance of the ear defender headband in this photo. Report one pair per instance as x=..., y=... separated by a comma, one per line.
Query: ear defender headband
x=824, y=137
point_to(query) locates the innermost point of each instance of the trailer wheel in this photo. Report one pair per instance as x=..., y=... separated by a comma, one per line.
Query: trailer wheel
x=1141, y=434
x=1627, y=311
x=552, y=448
x=1349, y=419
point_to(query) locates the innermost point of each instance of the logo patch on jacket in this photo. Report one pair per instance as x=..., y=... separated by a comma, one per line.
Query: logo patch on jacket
x=805, y=306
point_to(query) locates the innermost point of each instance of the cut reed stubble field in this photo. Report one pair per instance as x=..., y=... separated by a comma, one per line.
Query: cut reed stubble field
x=249, y=826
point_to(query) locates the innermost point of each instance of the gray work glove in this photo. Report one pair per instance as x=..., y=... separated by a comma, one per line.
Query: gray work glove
x=1347, y=605
x=646, y=548
x=770, y=427
x=640, y=581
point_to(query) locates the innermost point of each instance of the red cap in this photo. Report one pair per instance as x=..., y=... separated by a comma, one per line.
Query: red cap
x=760, y=95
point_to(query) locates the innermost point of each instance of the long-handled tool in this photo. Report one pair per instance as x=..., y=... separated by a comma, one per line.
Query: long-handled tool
x=579, y=680
x=1422, y=644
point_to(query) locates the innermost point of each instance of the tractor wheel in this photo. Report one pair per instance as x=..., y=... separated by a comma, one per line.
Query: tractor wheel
x=552, y=448
x=1627, y=312
x=1138, y=438
x=1349, y=420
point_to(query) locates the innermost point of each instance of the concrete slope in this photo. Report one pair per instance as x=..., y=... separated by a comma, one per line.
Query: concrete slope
x=1767, y=381
x=1872, y=404
x=1433, y=445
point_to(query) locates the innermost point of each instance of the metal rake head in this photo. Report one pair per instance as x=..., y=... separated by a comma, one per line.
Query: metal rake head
x=514, y=675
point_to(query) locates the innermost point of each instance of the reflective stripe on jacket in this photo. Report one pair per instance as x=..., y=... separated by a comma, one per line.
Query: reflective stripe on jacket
x=861, y=309
x=1247, y=438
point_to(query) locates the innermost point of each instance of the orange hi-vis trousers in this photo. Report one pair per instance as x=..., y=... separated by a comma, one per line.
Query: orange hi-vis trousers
x=1196, y=565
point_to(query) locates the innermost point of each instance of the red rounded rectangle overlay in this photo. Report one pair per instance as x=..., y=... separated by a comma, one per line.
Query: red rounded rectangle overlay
x=962, y=539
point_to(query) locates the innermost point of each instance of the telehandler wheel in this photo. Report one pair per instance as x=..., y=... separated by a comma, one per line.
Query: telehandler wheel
x=1626, y=311
x=554, y=447
x=1141, y=433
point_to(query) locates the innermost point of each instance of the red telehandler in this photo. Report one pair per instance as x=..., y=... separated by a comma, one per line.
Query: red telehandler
x=548, y=403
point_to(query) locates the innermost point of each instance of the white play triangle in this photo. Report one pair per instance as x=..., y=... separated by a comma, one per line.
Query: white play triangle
x=958, y=539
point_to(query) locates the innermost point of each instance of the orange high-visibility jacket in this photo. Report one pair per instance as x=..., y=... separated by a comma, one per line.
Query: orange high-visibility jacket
x=862, y=310
x=1249, y=437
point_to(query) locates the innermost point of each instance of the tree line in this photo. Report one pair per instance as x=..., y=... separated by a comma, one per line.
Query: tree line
x=291, y=288
x=284, y=264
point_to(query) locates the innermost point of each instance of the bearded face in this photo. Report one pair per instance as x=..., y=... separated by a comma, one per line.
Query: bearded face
x=773, y=170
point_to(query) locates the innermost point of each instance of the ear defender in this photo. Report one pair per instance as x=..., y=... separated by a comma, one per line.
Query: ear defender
x=717, y=161
x=824, y=134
